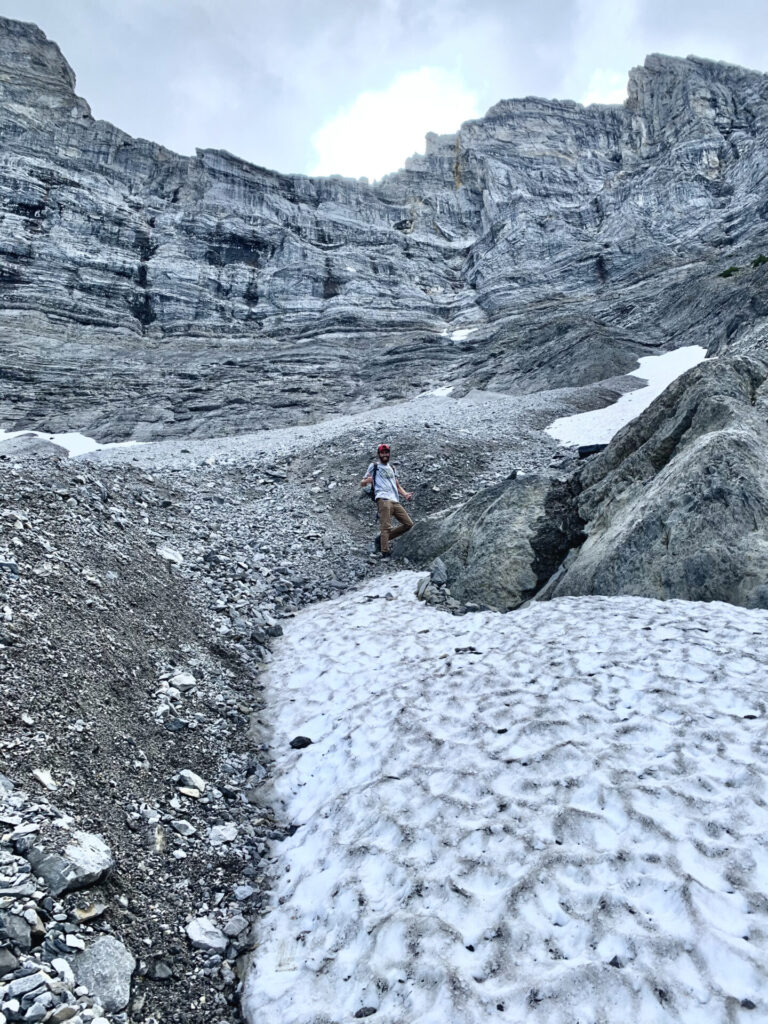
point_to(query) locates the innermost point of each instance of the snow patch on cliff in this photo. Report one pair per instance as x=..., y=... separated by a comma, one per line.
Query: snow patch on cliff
x=600, y=425
x=74, y=443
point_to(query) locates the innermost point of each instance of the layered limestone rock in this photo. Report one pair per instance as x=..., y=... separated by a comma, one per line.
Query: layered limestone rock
x=675, y=507
x=147, y=294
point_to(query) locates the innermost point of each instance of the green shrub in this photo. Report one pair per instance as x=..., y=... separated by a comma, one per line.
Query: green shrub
x=730, y=272
x=760, y=261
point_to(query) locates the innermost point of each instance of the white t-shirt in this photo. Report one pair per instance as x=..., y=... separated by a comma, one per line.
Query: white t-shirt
x=386, y=477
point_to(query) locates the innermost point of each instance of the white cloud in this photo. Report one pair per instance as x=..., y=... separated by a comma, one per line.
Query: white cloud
x=374, y=135
x=606, y=87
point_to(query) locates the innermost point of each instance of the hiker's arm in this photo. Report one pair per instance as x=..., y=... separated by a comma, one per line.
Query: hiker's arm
x=402, y=492
x=366, y=480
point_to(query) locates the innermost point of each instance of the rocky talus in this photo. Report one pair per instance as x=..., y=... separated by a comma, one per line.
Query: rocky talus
x=147, y=294
x=524, y=262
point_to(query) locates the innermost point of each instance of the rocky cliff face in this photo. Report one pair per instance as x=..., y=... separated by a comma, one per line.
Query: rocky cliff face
x=146, y=294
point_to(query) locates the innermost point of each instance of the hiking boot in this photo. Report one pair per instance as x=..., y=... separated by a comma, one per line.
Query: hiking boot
x=386, y=554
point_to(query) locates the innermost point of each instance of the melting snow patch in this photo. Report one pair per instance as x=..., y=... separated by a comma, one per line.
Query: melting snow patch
x=75, y=444
x=600, y=425
x=442, y=392
x=553, y=815
x=462, y=333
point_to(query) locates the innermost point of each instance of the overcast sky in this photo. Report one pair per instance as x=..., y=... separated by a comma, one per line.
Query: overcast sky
x=351, y=86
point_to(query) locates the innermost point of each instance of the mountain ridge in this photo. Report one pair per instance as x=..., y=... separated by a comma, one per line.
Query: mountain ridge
x=204, y=295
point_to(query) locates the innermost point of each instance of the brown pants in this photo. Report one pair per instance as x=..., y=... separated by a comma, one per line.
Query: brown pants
x=387, y=509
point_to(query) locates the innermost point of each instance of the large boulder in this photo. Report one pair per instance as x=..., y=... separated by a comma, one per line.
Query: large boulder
x=84, y=861
x=106, y=968
x=677, y=505
x=504, y=543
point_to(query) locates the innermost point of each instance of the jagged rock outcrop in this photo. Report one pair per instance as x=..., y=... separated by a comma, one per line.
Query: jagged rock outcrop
x=675, y=507
x=147, y=294
x=502, y=545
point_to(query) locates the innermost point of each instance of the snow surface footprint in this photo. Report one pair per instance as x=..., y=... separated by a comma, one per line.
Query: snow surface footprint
x=556, y=815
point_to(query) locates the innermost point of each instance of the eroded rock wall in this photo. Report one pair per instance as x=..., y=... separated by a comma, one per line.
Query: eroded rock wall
x=147, y=294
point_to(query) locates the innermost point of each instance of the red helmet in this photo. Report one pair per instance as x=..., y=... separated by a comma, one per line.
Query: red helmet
x=382, y=448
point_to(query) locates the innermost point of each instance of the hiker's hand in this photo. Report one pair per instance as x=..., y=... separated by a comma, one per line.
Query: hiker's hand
x=408, y=495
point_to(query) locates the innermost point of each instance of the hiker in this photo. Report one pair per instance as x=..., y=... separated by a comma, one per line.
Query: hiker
x=387, y=492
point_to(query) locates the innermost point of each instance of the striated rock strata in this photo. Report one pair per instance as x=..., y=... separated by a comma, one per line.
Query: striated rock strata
x=147, y=294
x=675, y=507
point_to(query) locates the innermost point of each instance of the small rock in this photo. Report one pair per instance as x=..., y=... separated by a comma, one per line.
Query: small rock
x=106, y=968
x=438, y=572
x=203, y=934
x=63, y=1013
x=64, y=971
x=21, y=986
x=183, y=827
x=220, y=834
x=235, y=925
x=183, y=681
x=89, y=913
x=15, y=930
x=45, y=778
x=365, y=1011
x=191, y=780
x=162, y=971
x=170, y=554
x=299, y=742
x=8, y=962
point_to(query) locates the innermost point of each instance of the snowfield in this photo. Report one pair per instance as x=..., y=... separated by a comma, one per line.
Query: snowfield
x=556, y=815
x=601, y=425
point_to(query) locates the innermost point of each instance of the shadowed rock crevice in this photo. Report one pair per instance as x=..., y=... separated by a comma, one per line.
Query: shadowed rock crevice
x=504, y=544
x=675, y=507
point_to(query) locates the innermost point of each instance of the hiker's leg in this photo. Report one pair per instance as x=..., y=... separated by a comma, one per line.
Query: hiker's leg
x=385, y=518
x=403, y=518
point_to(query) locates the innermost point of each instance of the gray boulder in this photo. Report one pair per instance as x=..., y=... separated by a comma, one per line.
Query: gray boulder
x=84, y=861
x=675, y=507
x=106, y=967
x=505, y=542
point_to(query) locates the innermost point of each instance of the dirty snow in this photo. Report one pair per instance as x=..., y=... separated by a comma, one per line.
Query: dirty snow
x=74, y=443
x=556, y=815
x=600, y=425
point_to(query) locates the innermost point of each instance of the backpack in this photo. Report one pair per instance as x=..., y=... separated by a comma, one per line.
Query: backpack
x=372, y=488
